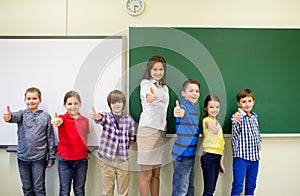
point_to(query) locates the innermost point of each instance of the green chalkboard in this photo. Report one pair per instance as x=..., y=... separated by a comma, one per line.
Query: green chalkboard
x=225, y=60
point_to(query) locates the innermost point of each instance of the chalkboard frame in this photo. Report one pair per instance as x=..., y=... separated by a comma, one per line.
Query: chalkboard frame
x=263, y=49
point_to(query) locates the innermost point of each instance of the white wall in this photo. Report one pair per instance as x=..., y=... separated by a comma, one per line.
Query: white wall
x=279, y=171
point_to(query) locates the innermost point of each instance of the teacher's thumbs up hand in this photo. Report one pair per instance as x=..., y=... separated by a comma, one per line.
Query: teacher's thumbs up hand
x=56, y=121
x=178, y=112
x=95, y=115
x=238, y=115
x=150, y=97
x=7, y=114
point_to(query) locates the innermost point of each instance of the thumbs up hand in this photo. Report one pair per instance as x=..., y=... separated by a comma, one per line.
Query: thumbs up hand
x=56, y=121
x=238, y=115
x=178, y=112
x=95, y=115
x=7, y=114
x=150, y=97
x=212, y=126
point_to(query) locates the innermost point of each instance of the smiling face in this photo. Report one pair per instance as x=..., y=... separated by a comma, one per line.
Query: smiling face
x=72, y=105
x=213, y=108
x=157, y=71
x=246, y=104
x=191, y=93
x=32, y=101
x=117, y=107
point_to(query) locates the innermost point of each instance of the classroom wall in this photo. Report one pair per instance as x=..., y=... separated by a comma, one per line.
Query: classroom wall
x=278, y=171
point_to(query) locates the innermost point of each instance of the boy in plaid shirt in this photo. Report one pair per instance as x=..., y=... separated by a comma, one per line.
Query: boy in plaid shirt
x=117, y=135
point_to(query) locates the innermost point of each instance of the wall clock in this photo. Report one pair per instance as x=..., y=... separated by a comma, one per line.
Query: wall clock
x=134, y=7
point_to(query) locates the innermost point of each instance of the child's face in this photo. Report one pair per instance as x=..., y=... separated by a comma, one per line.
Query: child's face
x=72, y=105
x=157, y=71
x=246, y=104
x=191, y=93
x=117, y=107
x=32, y=101
x=213, y=108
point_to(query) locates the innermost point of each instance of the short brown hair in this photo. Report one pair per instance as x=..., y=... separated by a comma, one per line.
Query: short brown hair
x=189, y=81
x=115, y=96
x=244, y=93
x=33, y=90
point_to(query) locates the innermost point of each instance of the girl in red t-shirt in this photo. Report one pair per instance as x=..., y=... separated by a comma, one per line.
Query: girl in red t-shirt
x=73, y=129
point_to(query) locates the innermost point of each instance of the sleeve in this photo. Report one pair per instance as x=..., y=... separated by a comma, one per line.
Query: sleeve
x=145, y=88
x=205, y=129
x=235, y=125
x=87, y=126
x=132, y=130
x=16, y=117
x=51, y=142
x=235, y=130
x=102, y=120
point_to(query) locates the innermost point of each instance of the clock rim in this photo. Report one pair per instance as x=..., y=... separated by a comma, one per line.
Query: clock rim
x=132, y=13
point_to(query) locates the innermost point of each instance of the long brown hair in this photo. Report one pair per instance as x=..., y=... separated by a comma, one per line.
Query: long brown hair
x=208, y=99
x=149, y=66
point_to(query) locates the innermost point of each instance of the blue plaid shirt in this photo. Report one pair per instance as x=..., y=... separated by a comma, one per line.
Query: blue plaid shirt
x=245, y=139
x=115, y=139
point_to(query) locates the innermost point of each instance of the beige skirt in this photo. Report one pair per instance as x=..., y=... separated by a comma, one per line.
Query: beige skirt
x=151, y=146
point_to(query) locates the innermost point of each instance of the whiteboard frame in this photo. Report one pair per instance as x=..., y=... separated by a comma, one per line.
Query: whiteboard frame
x=117, y=55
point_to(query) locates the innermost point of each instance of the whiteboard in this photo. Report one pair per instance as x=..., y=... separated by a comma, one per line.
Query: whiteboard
x=92, y=66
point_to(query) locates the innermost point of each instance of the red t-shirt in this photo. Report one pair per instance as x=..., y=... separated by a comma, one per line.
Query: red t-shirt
x=72, y=134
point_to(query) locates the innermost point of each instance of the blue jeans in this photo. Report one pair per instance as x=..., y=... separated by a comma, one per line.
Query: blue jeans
x=32, y=175
x=183, y=177
x=210, y=164
x=72, y=170
x=244, y=169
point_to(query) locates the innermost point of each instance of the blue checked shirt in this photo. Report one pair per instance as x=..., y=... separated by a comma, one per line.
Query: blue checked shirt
x=115, y=141
x=245, y=139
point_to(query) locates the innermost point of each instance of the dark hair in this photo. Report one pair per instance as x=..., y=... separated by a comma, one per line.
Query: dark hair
x=72, y=94
x=244, y=93
x=115, y=96
x=189, y=81
x=208, y=99
x=149, y=66
x=34, y=90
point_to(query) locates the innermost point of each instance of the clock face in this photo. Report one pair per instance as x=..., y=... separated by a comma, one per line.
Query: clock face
x=134, y=7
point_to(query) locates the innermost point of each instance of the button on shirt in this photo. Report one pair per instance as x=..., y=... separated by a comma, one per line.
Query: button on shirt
x=245, y=139
x=154, y=114
x=36, y=137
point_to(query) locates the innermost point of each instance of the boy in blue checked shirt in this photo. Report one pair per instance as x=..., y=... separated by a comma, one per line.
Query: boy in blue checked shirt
x=117, y=134
x=246, y=144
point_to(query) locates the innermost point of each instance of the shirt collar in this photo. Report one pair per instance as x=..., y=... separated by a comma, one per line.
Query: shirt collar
x=70, y=117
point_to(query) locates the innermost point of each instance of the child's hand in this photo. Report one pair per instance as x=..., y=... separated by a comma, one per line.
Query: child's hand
x=132, y=142
x=212, y=126
x=222, y=168
x=7, y=114
x=178, y=112
x=95, y=115
x=56, y=121
x=48, y=165
x=238, y=115
x=150, y=97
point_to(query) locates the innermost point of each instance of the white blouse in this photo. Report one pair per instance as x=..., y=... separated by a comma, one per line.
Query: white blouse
x=154, y=114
